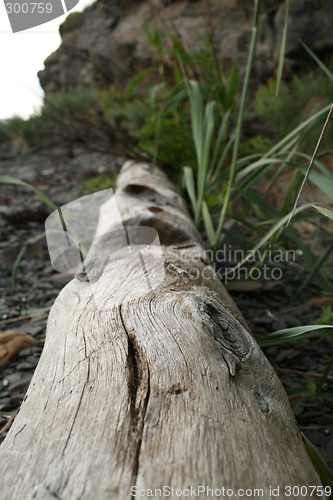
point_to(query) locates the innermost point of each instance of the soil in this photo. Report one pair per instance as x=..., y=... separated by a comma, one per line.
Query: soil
x=268, y=306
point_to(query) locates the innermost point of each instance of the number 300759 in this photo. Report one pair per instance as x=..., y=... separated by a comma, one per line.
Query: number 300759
x=29, y=8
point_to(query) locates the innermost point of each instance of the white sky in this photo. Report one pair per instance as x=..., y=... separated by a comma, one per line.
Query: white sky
x=22, y=55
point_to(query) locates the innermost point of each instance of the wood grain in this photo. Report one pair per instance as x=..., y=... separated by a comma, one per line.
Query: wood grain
x=162, y=388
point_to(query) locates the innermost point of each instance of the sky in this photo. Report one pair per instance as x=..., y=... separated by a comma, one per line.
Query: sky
x=22, y=55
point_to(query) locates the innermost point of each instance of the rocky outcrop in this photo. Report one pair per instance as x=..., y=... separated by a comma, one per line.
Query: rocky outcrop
x=106, y=43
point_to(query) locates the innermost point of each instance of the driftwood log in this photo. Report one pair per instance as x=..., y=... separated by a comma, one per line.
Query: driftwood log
x=150, y=389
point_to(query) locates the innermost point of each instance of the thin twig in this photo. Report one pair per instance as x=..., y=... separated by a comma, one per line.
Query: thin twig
x=23, y=317
x=299, y=372
x=8, y=424
x=311, y=163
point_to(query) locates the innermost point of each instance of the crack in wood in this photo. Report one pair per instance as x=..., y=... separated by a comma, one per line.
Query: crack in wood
x=18, y=432
x=139, y=443
x=137, y=365
x=54, y=494
x=81, y=396
x=87, y=357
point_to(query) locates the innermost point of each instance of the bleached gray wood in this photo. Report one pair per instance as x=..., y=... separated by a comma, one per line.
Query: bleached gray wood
x=161, y=389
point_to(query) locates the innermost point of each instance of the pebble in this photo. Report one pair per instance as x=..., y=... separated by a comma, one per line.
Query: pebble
x=263, y=320
x=271, y=351
x=24, y=352
x=298, y=410
x=5, y=404
x=21, y=384
x=311, y=415
x=325, y=419
x=16, y=400
x=26, y=366
x=12, y=378
x=285, y=354
x=329, y=446
x=278, y=325
x=37, y=349
x=34, y=330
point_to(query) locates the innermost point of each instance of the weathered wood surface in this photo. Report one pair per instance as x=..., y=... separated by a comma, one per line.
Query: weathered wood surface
x=162, y=388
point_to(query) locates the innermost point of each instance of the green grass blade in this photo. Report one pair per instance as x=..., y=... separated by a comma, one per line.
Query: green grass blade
x=197, y=117
x=204, y=154
x=325, y=183
x=277, y=227
x=18, y=182
x=290, y=192
x=313, y=56
x=321, y=114
x=296, y=333
x=36, y=310
x=309, y=169
x=218, y=145
x=282, y=50
x=318, y=265
x=318, y=461
x=223, y=157
x=208, y=223
x=136, y=80
x=253, y=44
x=190, y=187
x=324, y=211
x=16, y=266
x=326, y=373
x=259, y=165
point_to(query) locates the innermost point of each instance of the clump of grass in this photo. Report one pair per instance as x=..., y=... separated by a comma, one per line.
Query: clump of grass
x=155, y=108
x=71, y=117
x=17, y=129
x=97, y=184
x=302, y=97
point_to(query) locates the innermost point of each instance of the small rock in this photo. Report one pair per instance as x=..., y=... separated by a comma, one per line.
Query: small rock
x=16, y=400
x=11, y=379
x=5, y=404
x=22, y=385
x=285, y=354
x=26, y=366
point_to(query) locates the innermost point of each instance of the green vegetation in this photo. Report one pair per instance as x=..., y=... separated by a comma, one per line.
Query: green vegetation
x=97, y=184
x=306, y=94
x=70, y=117
x=155, y=107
